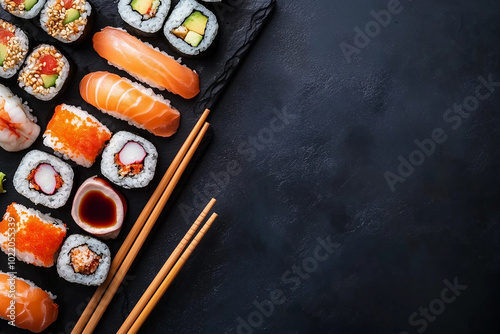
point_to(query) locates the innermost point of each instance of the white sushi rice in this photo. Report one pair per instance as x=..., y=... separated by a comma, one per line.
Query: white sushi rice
x=46, y=94
x=111, y=170
x=21, y=43
x=65, y=269
x=22, y=13
x=23, y=214
x=60, y=148
x=31, y=161
x=84, y=17
x=183, y=9
x=136, y=20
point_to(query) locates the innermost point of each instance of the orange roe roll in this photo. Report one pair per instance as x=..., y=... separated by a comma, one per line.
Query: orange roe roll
x=37, y=237
x=76, y=135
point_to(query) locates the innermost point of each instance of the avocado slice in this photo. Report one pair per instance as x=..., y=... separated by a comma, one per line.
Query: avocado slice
x=141, y=6
x=71, y=15
x=196, y=22
x=193, y=38
x=28, y=4
x=49, y=80
x=3, y=53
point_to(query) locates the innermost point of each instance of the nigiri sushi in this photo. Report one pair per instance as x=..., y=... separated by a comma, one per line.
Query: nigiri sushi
x=34, y=308
x=18, y=129
x=129, y=101
x=146, y=63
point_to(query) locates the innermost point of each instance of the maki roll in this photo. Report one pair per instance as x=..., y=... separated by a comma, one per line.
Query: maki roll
x=84, y=260
x=191, y=28
x=25, y=9
x=44, y=179
x=45, y=73
x=129, y=160
x=76, y=135
x=38, y=237
x=18, y=128
x=147, y=16
x=66, y=20
x=13, y=49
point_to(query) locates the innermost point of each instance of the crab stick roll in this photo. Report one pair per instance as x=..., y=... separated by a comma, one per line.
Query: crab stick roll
x=25, y=9
x=45, y=73
x=13, y=49
x=146, y=63
x=34, y=308
x=38, y=237
x=66, y=20
x=129, y=101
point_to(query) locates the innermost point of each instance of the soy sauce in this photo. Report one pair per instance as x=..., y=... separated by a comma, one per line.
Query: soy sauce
x=97, y=210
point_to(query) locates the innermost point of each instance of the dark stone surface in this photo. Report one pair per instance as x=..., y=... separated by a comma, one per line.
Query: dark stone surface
x=319, y=176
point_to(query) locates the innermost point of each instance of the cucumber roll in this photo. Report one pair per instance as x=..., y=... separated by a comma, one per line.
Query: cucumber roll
x=13, y=49
x=66, y=20
x=45, y=73
x=191, y=28
x=25, y=9
x=146, y=16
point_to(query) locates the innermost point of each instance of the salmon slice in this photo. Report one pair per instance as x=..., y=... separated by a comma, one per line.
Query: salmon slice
x=123, y=99
x=35, y=309
x=145, y=63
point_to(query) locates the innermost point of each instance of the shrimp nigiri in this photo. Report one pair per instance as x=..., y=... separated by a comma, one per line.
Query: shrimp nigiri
x=18, y=129
x=129, y=101
x=34, y=309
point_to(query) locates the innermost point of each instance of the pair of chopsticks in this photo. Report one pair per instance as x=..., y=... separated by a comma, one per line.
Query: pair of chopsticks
x=165, y=276
x=140, y=231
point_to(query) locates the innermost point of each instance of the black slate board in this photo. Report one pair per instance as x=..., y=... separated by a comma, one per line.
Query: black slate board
x=240, y=22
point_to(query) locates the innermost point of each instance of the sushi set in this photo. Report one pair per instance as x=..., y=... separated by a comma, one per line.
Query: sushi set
x=96, y=97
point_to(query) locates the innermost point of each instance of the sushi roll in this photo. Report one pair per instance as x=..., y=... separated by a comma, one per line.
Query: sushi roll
x=191, y=28
x=35, y=309
x=146, y=16
x=44, y=179
x=18, y=128
x=84, y=260
x=25, y=9
x=13, y=49
x=66, y=20
x=129, y=160
x=45, y=73
x=38, y=237
x=76, y=135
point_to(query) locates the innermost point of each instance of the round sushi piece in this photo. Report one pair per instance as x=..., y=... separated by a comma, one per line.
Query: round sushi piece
x=13, y=49
x=146, y=16
x=129, y=160
x=44, y=179
x=76, y=135
x=191, y=28
x=38, y=236
x=66, y=20
x=84, y=260
x=45, y=72
x=25, y=9
x=18, y=128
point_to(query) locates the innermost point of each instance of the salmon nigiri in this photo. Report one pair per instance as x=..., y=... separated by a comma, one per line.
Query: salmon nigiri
x=129, y=101
x=145, y=63
x=34, y=308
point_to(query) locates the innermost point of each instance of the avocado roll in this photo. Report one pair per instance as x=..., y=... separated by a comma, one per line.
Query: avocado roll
x=13, y=49
x=45, y=72
x=25, y=9
x=146, y=16
x=66, y=20
x=191, y=28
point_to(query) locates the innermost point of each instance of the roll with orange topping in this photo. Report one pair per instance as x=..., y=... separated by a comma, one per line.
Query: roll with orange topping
x=76, y=135
x=36, y=237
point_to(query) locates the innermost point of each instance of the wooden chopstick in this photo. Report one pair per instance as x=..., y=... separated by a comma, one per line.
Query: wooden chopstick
x=136, y=228
x=164, y=271
x=170, y=277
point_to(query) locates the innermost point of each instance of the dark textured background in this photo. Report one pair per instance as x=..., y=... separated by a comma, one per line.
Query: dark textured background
x=323, y=176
